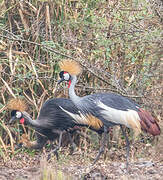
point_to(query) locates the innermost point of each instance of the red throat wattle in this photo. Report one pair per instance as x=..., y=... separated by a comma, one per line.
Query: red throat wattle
x=22, y=120
x=69, y=83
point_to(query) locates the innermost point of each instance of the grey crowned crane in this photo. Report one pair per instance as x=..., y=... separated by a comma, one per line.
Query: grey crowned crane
x=57, y=115
x=107, y=109
x=51, y=123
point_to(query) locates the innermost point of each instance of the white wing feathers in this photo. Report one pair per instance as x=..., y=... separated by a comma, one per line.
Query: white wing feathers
x=129, y=118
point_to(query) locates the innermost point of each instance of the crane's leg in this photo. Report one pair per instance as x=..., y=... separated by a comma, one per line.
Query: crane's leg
x=103, y=142
x=55, y=151
x=72, y=143
x=83, y=135
x=127, y=147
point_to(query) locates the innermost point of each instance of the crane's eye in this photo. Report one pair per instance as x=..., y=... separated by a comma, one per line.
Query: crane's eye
x=18, y=114
x=66, y=76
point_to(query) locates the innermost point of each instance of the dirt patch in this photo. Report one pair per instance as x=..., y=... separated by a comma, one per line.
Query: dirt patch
x=112, y=165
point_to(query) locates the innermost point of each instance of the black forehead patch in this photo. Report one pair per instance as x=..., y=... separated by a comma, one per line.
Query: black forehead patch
x=13, y=113
x=61, y=74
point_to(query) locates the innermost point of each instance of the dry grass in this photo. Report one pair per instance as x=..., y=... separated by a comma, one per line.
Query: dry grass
x=119, y=46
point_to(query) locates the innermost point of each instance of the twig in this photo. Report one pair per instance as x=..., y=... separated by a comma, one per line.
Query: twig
x=7, y=86
x=123, y=9
x=107, y=89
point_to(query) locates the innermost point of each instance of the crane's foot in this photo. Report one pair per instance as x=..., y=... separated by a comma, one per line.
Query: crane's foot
x=127, y=167
x=55, y=151
x=56, y=154
x=72, y=148
x=98, y=155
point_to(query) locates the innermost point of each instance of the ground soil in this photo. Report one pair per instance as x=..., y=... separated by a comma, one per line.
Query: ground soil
x=145, y=163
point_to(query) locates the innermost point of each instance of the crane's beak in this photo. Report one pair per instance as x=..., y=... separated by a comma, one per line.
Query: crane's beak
x=12, y=119
x=61, y=80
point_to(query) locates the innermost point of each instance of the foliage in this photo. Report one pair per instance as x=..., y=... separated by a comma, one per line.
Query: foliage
x=118, y=44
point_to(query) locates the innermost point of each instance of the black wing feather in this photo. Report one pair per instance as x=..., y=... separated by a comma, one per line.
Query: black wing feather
x=54, y=117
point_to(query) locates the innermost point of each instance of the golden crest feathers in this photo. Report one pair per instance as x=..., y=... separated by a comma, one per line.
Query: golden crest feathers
x=17, y=104
x=70, y=66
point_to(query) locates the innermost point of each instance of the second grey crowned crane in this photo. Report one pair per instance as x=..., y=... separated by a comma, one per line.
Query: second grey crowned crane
x=107, y=109
x=51, y=123
x=57, y=115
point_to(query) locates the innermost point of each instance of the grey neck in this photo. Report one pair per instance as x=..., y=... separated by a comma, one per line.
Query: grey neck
x=33, y=123
x=75, y=99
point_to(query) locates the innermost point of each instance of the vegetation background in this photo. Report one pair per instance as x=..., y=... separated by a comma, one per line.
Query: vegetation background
x=119, y=44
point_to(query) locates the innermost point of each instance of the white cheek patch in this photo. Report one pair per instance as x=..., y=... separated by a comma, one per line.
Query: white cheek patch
x=18, y=114
x=66, y=76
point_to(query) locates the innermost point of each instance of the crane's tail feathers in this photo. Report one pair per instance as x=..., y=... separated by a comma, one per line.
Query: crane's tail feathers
x=148, y=123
